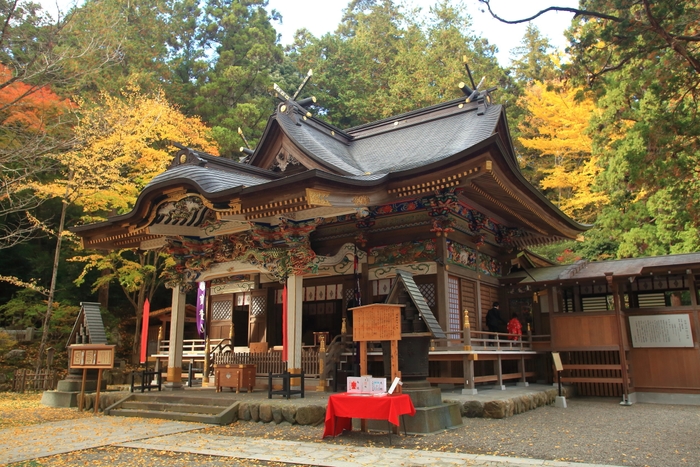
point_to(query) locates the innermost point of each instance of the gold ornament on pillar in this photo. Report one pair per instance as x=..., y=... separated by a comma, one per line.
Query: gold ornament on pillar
x=467, y=331
x=160, y=336
x=321, y=361
x=231, y=333
x=207, y=363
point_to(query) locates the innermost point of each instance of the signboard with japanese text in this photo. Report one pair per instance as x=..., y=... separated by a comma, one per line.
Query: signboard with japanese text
x=661, y=331
x=91, y=356
x=377, y=322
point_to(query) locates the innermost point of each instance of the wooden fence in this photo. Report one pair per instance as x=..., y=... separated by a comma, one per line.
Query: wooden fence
x=27, y=380
x=269, y=362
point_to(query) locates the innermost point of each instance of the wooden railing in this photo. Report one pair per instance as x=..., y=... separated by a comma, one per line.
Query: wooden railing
x=484, y=341
x=270, y=362
x=190, y=347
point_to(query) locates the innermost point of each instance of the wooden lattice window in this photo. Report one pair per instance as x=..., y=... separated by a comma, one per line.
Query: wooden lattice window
x=258, y=305
x=454, y=321
x=349, y=295
x=221, y=311
x=428, y=291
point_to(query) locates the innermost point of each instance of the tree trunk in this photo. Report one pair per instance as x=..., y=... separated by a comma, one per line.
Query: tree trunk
x=52, y=289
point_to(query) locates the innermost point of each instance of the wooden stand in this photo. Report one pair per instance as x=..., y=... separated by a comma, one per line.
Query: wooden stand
x=377, y=322
x=234, y=376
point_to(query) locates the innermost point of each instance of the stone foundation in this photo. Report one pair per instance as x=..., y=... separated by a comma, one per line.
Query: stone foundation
x=513, y=406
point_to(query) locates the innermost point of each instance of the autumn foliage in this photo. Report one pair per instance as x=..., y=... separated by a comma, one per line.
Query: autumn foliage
x=556, y=131
x=28, y=106
x=122, y=142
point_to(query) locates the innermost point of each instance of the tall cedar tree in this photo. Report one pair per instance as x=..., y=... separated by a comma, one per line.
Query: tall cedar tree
x=383, y=60
x=642, y=59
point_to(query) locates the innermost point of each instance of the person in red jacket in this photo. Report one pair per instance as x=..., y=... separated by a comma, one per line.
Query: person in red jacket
x=514, y=327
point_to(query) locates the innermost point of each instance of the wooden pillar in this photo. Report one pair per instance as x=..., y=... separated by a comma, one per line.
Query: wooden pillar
x=690, y=277
x=479, y=307
x=621, y=330
x=295, y=301
x=177, y=330
x=443, y=298
x=521, y=367
x=499, y=372
x=468, y=367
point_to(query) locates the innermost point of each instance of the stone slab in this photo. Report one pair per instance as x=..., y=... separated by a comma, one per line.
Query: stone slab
x=53, y=438
x=60, y=399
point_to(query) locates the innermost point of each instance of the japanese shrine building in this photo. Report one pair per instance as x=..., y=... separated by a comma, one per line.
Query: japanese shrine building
x=333, y=213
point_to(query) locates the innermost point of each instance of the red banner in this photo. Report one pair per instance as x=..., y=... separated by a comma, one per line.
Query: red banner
x=144, y=330
x=285, y=340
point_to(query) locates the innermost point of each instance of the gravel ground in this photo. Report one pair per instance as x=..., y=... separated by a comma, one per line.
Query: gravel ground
x=594, y=430
x=591, y=430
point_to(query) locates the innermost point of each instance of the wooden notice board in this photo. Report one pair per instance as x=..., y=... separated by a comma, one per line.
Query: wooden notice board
x=91, y=356
x=376, y=322
x=98, y=356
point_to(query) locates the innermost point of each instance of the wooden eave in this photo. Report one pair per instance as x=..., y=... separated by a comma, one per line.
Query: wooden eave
x=489, y=179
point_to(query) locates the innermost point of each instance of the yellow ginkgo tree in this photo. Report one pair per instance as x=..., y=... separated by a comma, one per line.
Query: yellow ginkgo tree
x=555, y=134
x=121, y=143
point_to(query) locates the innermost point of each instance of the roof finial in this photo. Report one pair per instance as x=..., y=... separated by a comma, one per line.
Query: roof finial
x=240, y=132
x=473, y=93
x=303, y=83
x=300, y=105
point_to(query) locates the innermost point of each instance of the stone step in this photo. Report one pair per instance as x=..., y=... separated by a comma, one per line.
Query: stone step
x=180, y=416
x=174, y=399
x=169, y=407
x=172, y=407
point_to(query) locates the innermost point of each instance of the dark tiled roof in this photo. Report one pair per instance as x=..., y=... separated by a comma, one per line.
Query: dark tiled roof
x=396, y=148
x=319, y=145
x=210, y=180
x=90, y=316
x=370, y=152
x=422, y=144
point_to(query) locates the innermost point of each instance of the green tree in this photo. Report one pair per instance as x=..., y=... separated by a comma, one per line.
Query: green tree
x=235, y=90
x=535, y=58
x=641, y=60
x=384, y=59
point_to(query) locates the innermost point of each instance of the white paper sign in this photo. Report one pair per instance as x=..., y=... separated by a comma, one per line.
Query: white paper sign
x=661, y=331
x=396, y=382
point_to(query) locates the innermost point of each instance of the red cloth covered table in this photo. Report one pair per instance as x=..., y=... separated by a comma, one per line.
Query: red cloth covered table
x=342, y=408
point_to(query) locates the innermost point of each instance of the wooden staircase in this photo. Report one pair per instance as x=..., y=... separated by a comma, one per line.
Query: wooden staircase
x=174, y=407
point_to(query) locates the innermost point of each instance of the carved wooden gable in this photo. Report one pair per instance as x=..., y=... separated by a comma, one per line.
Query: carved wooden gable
x=282, y=156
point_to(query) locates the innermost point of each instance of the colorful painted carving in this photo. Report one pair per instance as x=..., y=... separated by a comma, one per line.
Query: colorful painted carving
x=256, y=247
x=469, y=258
x=403, y=253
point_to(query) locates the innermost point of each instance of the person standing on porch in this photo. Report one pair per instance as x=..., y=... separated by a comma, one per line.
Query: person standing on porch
x=514, y=328
x=494, y=322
